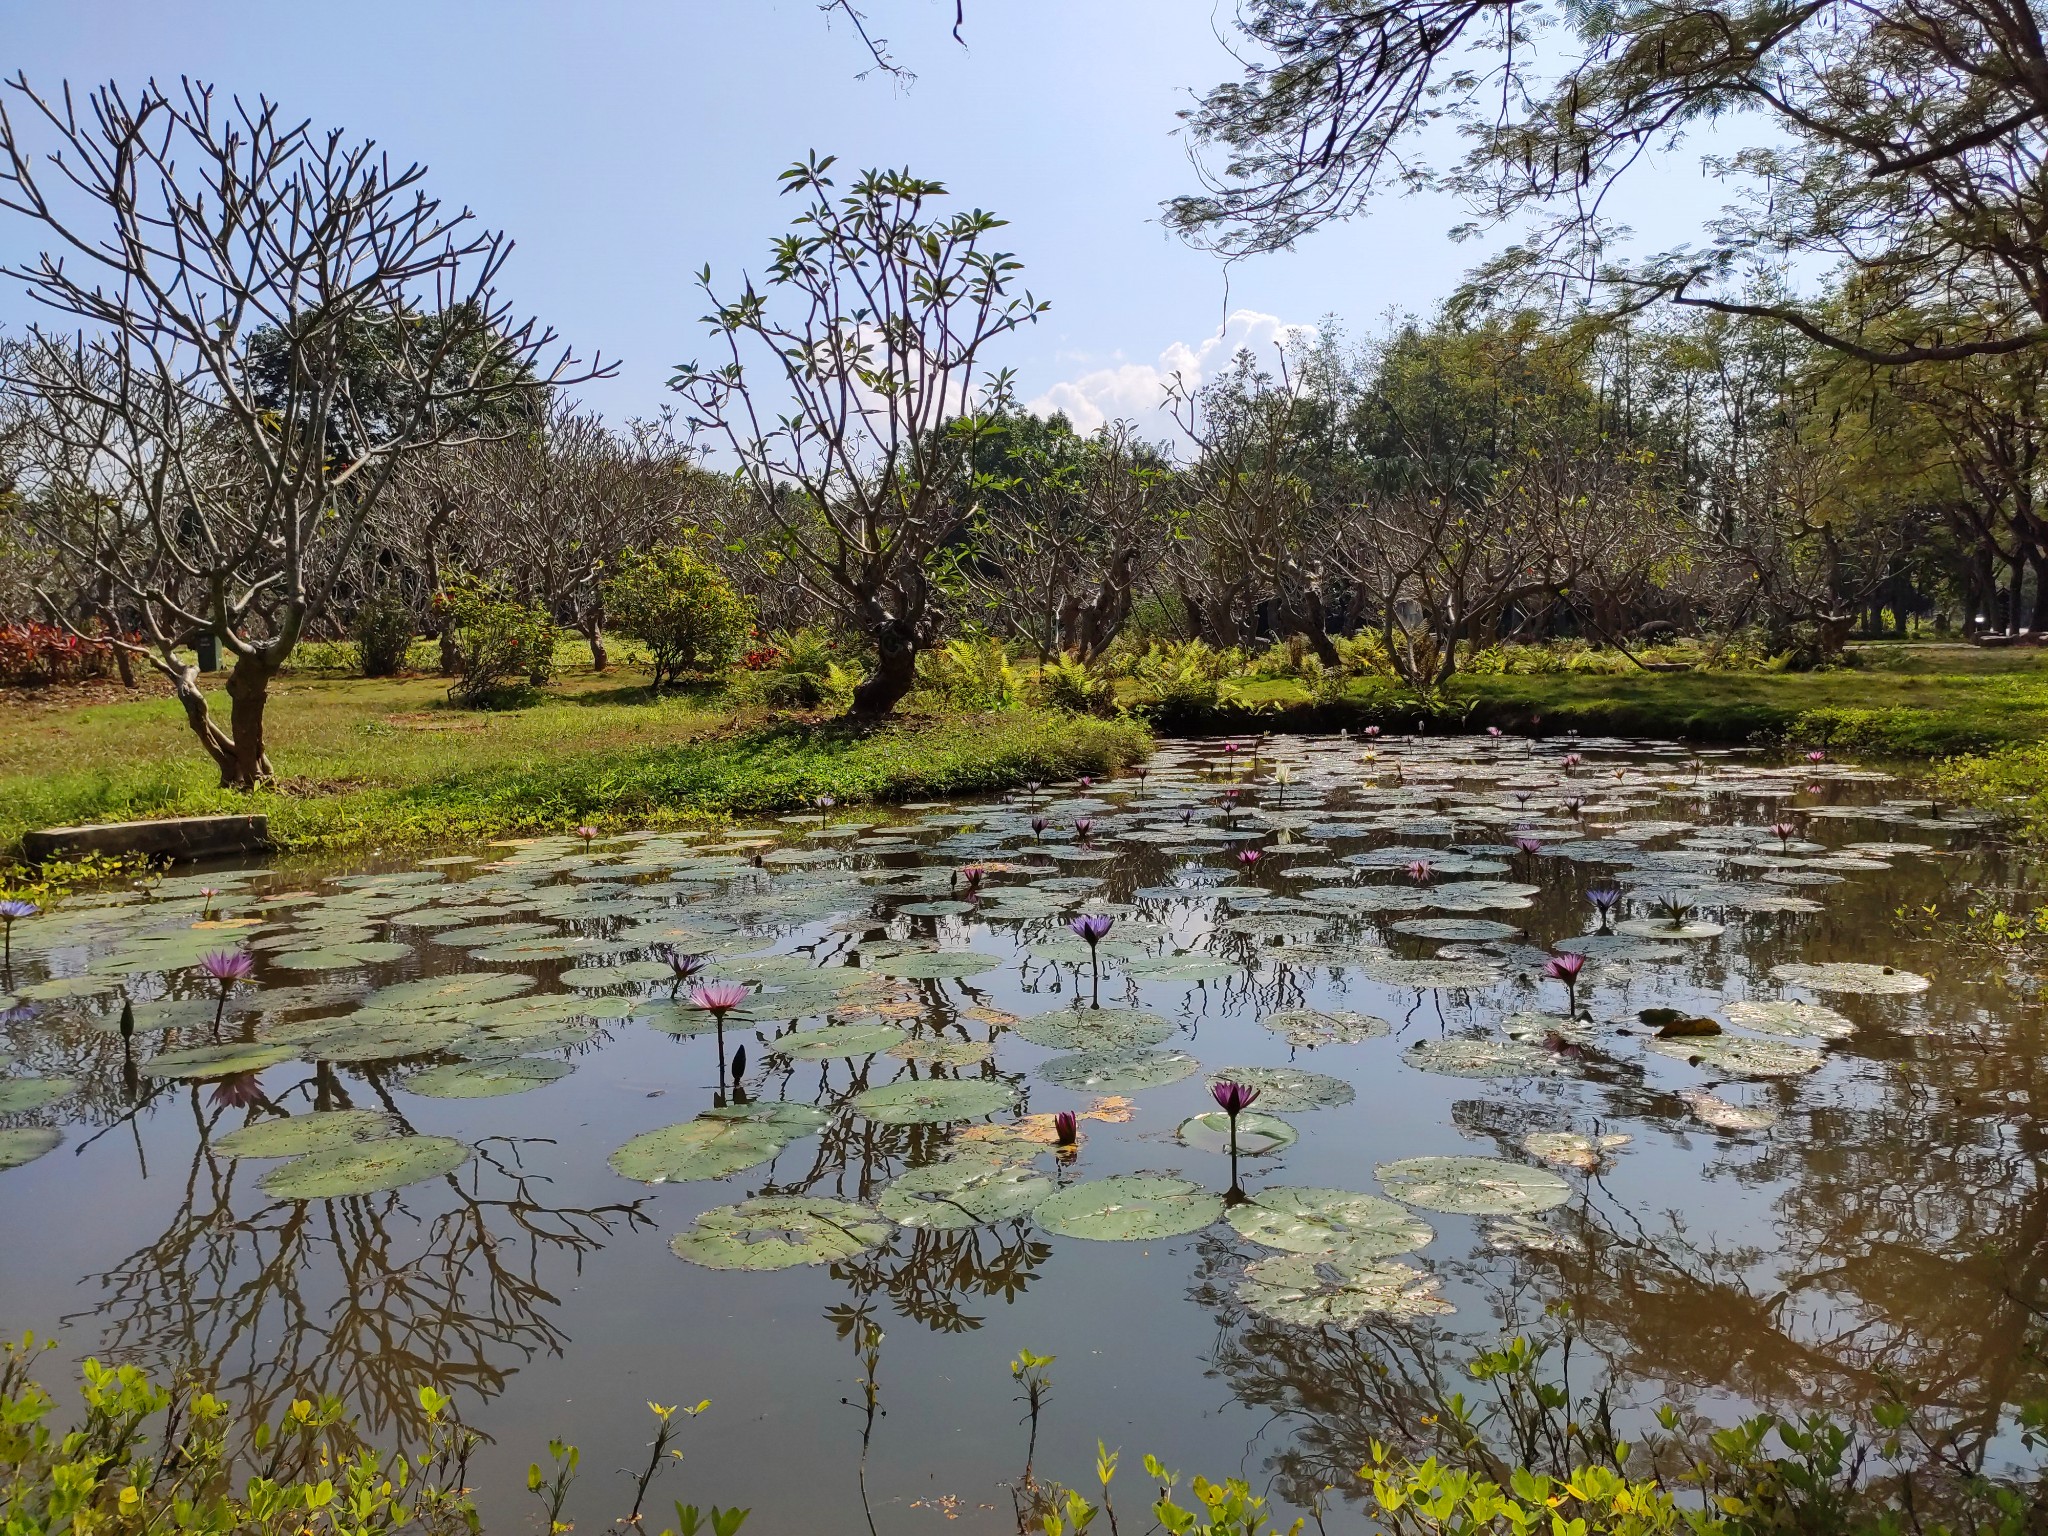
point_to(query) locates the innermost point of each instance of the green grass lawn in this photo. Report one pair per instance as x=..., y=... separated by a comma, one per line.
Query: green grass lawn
x=386, y=763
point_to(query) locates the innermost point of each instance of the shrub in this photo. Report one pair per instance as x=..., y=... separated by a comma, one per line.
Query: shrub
x=972, y=674
x=383, y=634
x=798, y=669
x=500, y=643
x=33, y=654
x=682, y=608
x=1067, y=683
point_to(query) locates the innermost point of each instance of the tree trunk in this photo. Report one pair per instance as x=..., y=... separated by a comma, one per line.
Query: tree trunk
x=594, y=633
x=248, y=694
x=895, y=673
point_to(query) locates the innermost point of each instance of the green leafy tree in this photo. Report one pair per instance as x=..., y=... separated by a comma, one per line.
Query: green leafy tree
x=681, y=607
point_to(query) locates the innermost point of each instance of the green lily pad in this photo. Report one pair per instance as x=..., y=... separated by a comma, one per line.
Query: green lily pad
x=942, y=908
x=1808, y=1021
x=487, y=1079
x=1744, y=1058
x=780, y=1233
x=1304, y=1219
x=369, y=1036
x=1118, y=1071
x=1311, y=1027
x=203, y=1061
x=1845, y=976
x=446, y=991
x=316, y=1131
x=1663, y=928
x=1258, y=1135
x=1311, y=1289
x=366, y=1168
x=1290, y=1088
x=1094, y=1029
x=963, y=1192
x=699, y=1149
x=836, y=1041
x=1472, y=1186
x=932, y=1102
x=1129, y=1208
x=1470, y=930
x=1446, y=975
x=935, y=965
x=950, y=1053
x=792, y=1120
x=596, y=978
x=20, y=1093
x=27, y=1143
x=336, y=957
x=1480, y=1056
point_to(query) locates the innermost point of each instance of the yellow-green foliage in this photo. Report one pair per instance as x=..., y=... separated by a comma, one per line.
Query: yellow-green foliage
x=971, y=673
x=681, y=607
x=1068, y=684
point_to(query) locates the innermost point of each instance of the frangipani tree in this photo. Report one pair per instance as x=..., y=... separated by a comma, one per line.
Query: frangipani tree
x=866, y=343
x=271, y=320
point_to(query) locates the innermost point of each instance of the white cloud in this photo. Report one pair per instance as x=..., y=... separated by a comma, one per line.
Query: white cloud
x=1137, y=391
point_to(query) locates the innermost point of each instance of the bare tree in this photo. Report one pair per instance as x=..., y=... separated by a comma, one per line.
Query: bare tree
x=272, y=319
x=853, y=442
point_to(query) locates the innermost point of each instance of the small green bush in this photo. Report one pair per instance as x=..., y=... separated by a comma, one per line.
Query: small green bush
x=797, y=669
x=1066, y=683
x=971, y=674
x=501, y=644
x=383, y=634
x=682, y=607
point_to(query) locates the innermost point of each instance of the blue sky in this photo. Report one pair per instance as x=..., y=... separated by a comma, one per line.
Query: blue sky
x=625, y=143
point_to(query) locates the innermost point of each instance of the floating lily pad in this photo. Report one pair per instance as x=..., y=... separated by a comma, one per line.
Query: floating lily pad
x=1118, y=1071
x=365, y=1168
x=793, y=1120
x=596, y=978
x=1130, y=1207
x=1472, y=1186
x=20, y=1093
x=1312, y=1027
x=933, y=1102
x=1662, y=928
x=1717, y=1112
x=1846, y=976
x=1744, y=1058
x=1460, y=929
x=1803, y=1020
x=963, y=1192
x=1304, y=1219
x=316, y=1131
x=941, y=908
x=1570, y=1149
x=1258, y=1135
x=836, y=1041
x=474, y=987
x=1094, y=1029
x=936, y=965
x=204, y=1061
x=1479, y=1056
x=950, y=1053
x=370, y=1036
x=1312, y=1289
x=487, y=1079
x=1289, y=1088
x=27, y=1143
x=705, y=1148
x=780, y=1233
x=1445, y=975
x=336, y=957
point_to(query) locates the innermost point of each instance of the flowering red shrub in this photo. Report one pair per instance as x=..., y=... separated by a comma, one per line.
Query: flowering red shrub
x=42, y=653
x=761, y=656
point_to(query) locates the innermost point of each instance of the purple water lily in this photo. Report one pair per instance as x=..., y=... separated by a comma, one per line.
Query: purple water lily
x=686, y=967
x=1605, y=898
x=1249, y=858
x=1421, y=872
x=1094, y=927
x=226, y=966
x=1066, y=1128
x=1082, y=827
x=12, y=911
x=1038, y=826
x=1233, y=1098
x=1784, y=832
x=1566, y=968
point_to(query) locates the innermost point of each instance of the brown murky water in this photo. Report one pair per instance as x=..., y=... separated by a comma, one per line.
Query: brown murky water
x=1811, y=1208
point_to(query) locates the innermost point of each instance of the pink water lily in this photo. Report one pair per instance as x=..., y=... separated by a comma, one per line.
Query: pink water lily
x=1233, y=1098
x=719, y=997
x=1566, y=968
x=1421, y=872
x=1094, y=927
x=1066, y=1128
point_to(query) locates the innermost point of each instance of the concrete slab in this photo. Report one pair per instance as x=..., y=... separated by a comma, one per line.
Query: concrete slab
x=178, y=838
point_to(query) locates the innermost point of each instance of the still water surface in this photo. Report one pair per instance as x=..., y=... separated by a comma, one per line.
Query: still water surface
x=1816, y=1200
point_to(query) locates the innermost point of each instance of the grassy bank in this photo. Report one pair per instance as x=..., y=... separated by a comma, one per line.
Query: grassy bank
x=383, y=763
x=1921, y=701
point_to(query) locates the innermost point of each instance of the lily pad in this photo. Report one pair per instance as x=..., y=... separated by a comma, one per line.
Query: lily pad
x=1129, y=1207
x=1744, y=1058
x=1713, y=1110
x=204, y=1061
x=1312, y=1027
x=365, y=1168
x=1472, y=1186
x=1570, y=1149
x=1472, y=930
x=1094, y=1029
x=317, y=1131
x=1808, y=1021
x=1479, y=1056
x=936, y=965
x=1118, y=1071
x=446, y=991
x=1258, y=1135
x=1312, y=1289
x=487, y=1079
x=27, y=1143
x=1304, y=1219
x=836, y=1041
x=780, y=1232
x=336, y=957
x=932, y=1102
x=1290, y=1088
x=699, y=1149
x=1428, y=975
x=21, y=1093
x=963, y=1192
x=1846, y=976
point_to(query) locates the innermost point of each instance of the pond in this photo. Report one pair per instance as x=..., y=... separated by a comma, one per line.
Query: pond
x=1773, y=1142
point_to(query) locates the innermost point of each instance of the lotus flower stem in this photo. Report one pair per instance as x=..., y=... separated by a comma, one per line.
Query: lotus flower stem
x=1233, y=1099
x=1094, y=927
x=11, y=912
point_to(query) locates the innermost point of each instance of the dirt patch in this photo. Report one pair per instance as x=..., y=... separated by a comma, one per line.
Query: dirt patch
x=63, y=698
x=432, y=722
